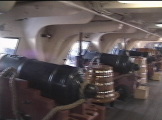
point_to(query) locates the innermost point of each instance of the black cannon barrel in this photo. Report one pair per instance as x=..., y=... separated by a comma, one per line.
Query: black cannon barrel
x=143, y=54
x=137, y=53
x=123, y=52
x=133, y=53
x=120, y=63
x=7, y=60
x=159, y=49
x=59, y=82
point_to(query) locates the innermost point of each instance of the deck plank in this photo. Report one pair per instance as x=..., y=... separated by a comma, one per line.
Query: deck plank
x=136, y=109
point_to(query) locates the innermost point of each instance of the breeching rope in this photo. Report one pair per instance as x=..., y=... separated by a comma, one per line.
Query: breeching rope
x=12, y=73
x=63, y=107
x=69, y=106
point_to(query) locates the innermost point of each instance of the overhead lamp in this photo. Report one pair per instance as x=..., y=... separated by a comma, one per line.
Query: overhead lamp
x=160, y=38
x=141, y=2
x=159, y=24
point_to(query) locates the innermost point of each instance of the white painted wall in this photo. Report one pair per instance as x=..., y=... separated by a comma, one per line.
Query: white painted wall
x=64, y=26
x=14, y=29
x=110, y=40
x=30, y=29
x=61, y=34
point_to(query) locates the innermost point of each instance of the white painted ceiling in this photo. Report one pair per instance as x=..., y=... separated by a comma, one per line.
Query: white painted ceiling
x=140, y=16
x=145, y=17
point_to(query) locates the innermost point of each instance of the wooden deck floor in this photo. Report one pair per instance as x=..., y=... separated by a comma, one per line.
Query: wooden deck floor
x=135, y=109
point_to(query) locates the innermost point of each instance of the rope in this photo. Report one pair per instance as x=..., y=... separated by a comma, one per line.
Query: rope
x=70, y=106
x=92, y=61
x=6, y=72
x=85, y=83
x=125, y=75
x=12, y=85
x=12, y=73
x=64, y=107
x=13, y=95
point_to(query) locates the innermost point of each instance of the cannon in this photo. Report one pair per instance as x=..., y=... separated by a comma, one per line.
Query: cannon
x=59, y=82
x=159, y=49
x=120, y=63
x=150, y=58
x=145, y=54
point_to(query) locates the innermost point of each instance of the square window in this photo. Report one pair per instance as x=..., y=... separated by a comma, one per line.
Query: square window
x=74, y=51
x=8, y=45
